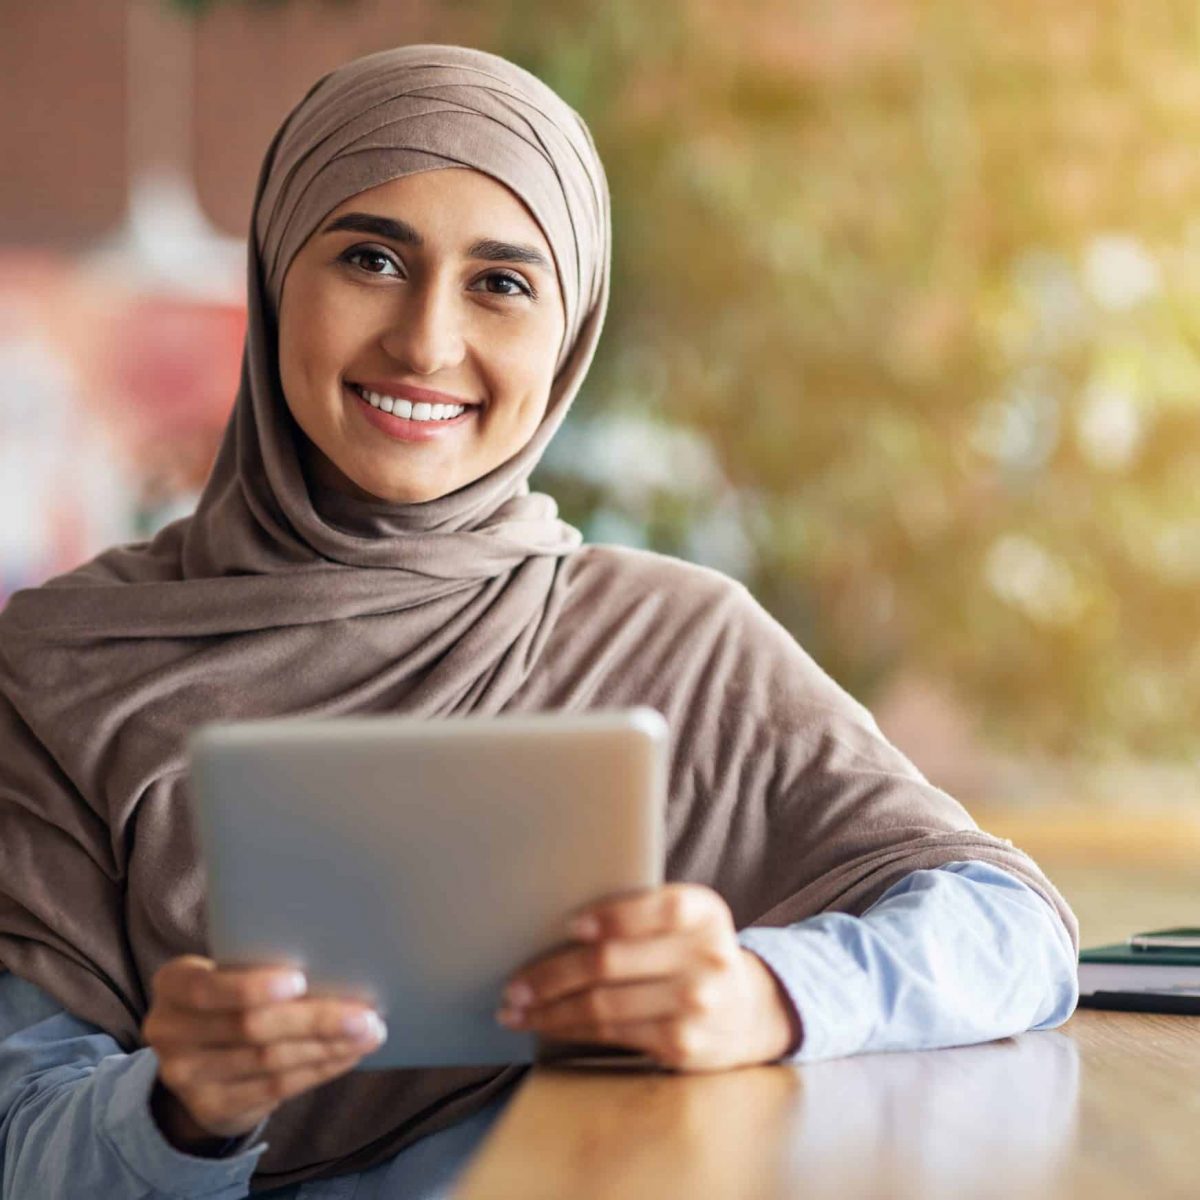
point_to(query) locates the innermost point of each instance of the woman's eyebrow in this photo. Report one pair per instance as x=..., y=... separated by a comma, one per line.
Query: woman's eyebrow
x=402, y=231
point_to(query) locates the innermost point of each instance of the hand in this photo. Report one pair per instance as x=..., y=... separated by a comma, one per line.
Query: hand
x=230, y=1050
x=663, y=973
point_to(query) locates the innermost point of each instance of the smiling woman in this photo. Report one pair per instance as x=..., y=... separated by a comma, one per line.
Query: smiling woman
x=436, y=219
x=413, y=363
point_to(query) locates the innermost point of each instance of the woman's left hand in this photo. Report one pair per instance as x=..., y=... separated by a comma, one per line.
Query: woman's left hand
x=664, y=973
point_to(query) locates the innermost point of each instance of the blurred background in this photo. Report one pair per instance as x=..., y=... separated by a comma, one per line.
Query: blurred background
x=904, y=334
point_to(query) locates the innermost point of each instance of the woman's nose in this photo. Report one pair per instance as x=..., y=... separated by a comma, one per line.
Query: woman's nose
x=425, y=333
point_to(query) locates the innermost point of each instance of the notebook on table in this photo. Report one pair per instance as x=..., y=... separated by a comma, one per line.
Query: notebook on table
x=1155, y=971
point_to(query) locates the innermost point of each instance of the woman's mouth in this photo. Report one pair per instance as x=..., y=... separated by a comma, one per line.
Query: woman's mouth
x=405, y=421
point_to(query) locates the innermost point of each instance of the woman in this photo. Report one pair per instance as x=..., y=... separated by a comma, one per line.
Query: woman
x=434, y=218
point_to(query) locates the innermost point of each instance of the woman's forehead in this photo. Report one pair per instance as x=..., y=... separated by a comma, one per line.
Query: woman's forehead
x=454, y=205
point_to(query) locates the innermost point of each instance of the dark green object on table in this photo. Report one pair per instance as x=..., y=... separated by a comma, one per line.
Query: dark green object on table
x=1132, y=985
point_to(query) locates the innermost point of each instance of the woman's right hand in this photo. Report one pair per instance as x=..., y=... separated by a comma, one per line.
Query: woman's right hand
x=231, y=1049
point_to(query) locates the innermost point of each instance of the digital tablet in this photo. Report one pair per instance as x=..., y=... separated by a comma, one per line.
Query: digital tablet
x=416, y=863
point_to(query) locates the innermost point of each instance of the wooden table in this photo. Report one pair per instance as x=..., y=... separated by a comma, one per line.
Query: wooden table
x=1107, y=1105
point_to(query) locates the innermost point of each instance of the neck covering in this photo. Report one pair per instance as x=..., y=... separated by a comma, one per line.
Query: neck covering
x=275, y=598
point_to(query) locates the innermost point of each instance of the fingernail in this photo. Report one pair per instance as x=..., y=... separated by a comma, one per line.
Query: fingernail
x=518, y=993
x=584, y=927
x=288, y=987
x=510, y=1016
x=367, y=1026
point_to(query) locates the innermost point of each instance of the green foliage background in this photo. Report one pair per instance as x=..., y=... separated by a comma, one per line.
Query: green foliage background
x=924, y=279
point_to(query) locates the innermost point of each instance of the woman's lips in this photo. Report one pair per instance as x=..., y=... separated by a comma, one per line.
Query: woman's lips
x=403, y=429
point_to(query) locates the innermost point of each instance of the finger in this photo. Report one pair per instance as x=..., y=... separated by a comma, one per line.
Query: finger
x=612, y=960
x=250, y=1062
x=292, y=1020
x=194, y=982
x=670, y=1042
x=683, y=996
x=671, y=908
x=211, y=1103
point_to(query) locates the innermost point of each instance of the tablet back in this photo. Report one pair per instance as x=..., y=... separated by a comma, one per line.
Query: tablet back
x=417, y=863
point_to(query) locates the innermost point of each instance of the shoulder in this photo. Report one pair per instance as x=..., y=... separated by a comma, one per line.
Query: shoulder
x=63, y=606
x=674, y=612
x=636, y=572
x=708, y=616
x=630, y=625
x=680, y=591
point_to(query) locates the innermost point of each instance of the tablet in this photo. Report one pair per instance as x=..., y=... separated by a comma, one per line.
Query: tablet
x=416, y=863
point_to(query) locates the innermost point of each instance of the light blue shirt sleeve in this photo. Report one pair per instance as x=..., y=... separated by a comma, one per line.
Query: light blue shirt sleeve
x=75, y=1115
x=962, y=953
x=75, y=1121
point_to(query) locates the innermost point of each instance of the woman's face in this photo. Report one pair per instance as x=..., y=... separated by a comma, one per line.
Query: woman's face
x=440, y=281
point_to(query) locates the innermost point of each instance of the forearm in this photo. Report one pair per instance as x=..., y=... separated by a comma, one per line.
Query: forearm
x=942, y=959
x=76, y=1130
x=77, y=1118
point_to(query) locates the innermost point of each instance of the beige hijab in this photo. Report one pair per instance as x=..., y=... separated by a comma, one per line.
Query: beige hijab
x=276, y=599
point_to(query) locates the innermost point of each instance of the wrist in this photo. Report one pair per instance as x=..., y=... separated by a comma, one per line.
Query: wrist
x=780, y=1023
x=179, y=1127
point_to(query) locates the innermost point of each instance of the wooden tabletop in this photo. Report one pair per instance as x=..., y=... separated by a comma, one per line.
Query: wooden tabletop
x=1106, y=1105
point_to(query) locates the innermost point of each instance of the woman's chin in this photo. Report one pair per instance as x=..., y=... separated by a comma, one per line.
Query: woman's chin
x=368, y=485
x=393, y=491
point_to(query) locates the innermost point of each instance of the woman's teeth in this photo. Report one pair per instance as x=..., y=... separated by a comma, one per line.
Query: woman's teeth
x=408, y=410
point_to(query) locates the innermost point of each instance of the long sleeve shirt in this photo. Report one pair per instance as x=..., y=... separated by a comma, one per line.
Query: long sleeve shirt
x=959, y=954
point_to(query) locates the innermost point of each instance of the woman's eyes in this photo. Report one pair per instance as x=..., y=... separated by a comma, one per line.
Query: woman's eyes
x=380, y=257
x=352, y=255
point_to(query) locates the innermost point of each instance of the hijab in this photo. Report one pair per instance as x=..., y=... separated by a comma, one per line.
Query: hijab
x=277, y=597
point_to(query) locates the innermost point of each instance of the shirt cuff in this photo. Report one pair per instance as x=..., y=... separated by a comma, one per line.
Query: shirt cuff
x=829, y=990
x=129, y=1125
